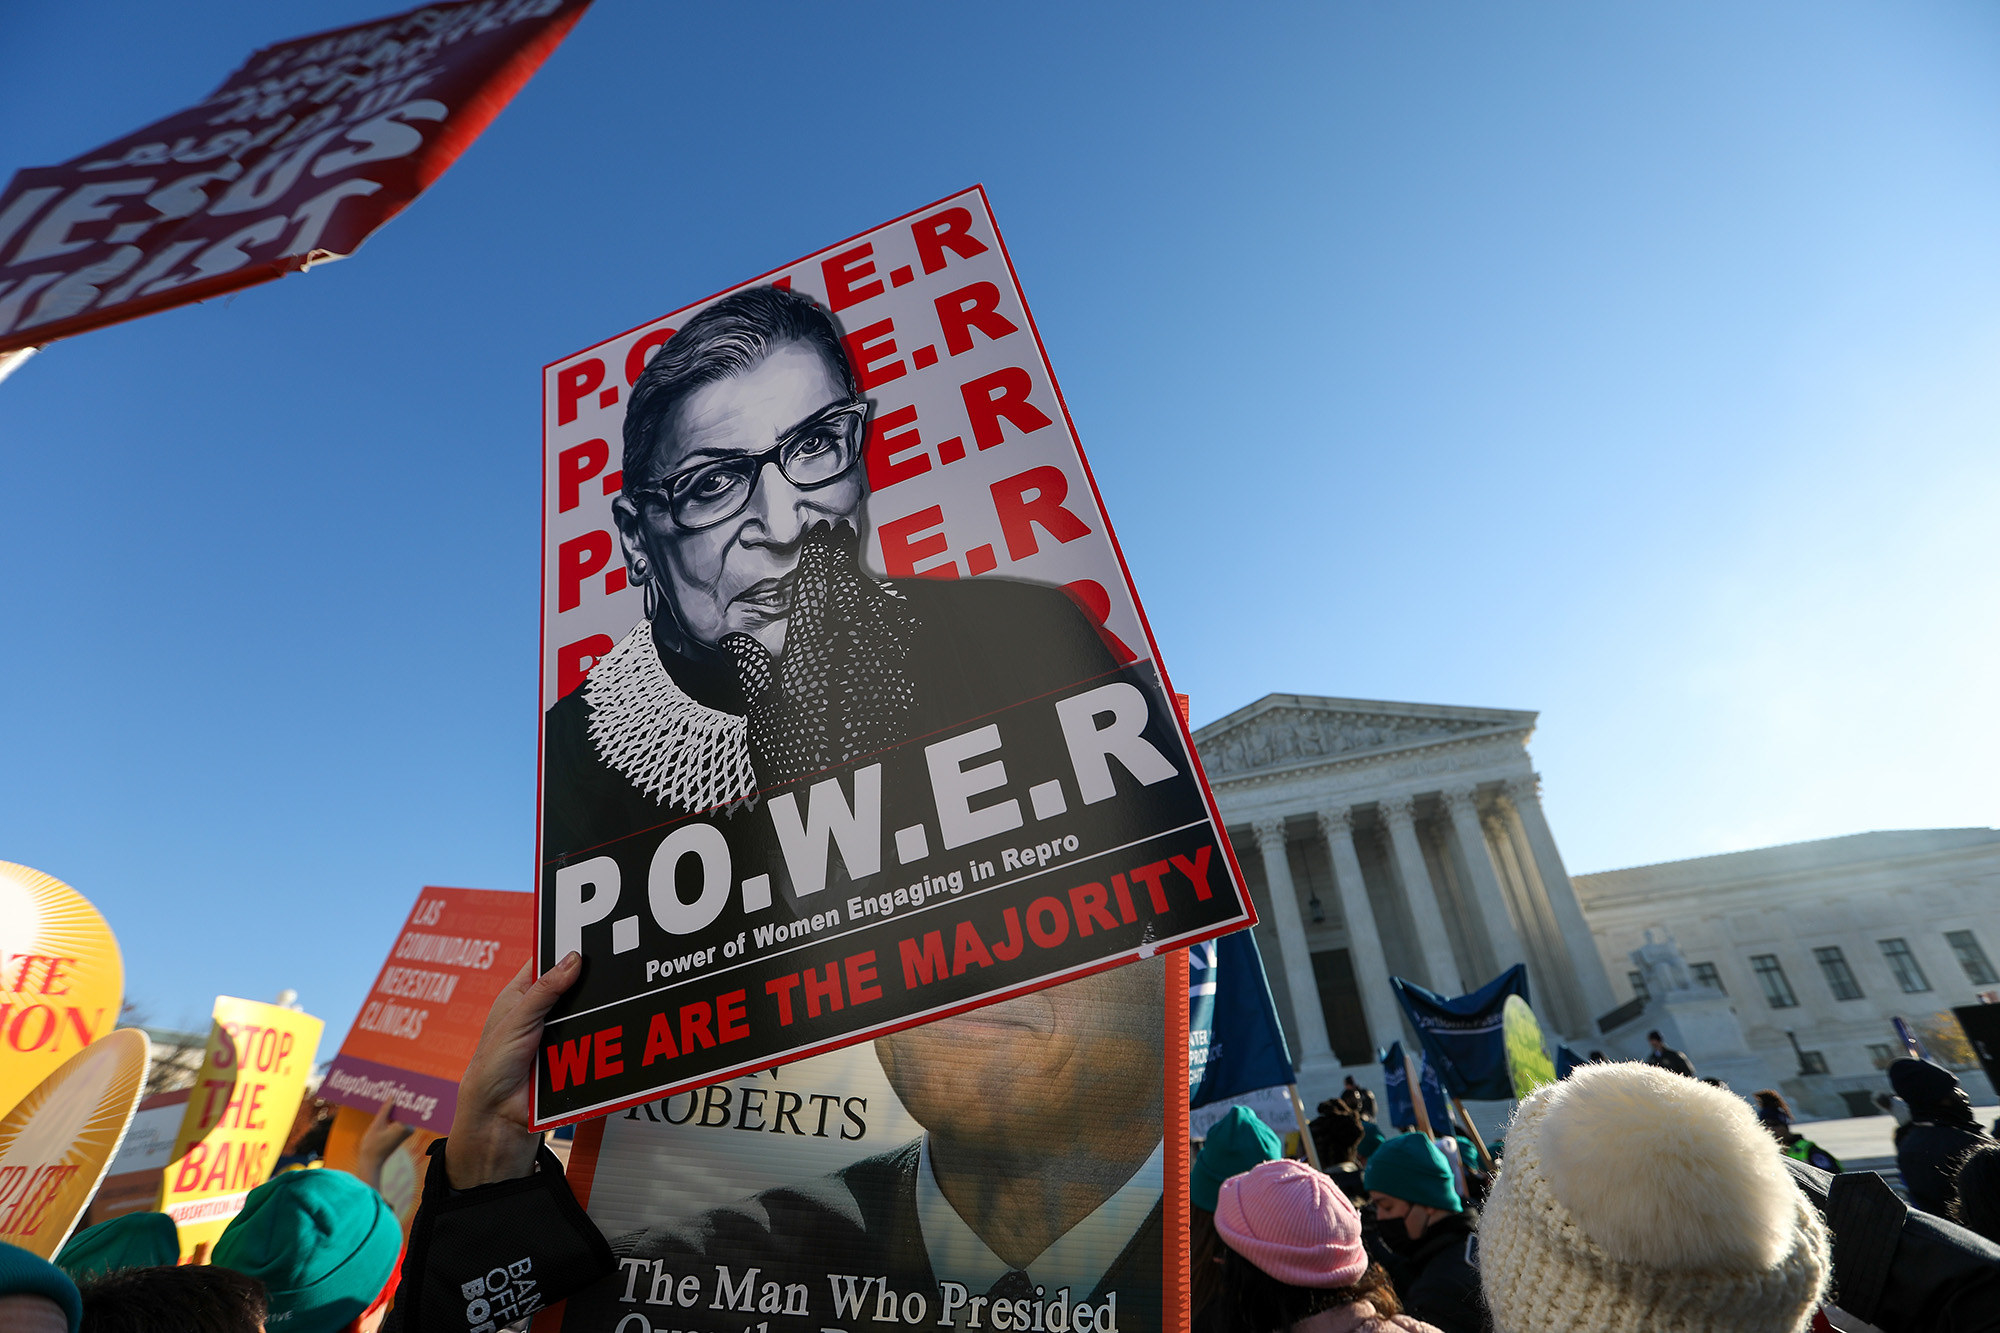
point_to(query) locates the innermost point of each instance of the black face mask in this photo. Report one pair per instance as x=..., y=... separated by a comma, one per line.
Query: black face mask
x=1395, y=1233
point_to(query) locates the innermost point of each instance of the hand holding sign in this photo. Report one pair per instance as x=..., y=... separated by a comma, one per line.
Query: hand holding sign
x=491, y=1134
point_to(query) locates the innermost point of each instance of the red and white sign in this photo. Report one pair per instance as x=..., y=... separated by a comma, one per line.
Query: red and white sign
x=295, y=159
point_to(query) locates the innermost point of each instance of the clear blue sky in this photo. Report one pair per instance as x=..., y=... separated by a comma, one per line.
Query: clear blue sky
x=1637, y=364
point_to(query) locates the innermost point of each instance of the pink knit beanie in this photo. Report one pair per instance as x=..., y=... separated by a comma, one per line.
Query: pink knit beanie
x=1293, y=1223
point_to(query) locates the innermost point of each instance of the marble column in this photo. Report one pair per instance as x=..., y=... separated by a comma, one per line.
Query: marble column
x=1524, y=799
x=1364, y=939
x=1314, y=1048
x=1399, y=814
x=1460, y=803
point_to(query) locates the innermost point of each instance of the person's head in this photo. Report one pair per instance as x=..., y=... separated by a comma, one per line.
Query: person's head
x=1597, y=1057
x=1294, y=1249
x=1235, y=1143
x=1659, y=1043
x=130, y=1240
x=35, y=1295
x=196, y=1298
x=1931, y=1091
x=1348, y=1082
x=1411, y=1185
x=1774, y=1113
x=1633, y=1199
x=1339, y=1133
x=323, y=1244
x=1072, y=1068
x=710, y=531
x=1975, y=1204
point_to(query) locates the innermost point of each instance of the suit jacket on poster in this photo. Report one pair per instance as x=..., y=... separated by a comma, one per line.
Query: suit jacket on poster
x=860, y=1221
x=981, y=645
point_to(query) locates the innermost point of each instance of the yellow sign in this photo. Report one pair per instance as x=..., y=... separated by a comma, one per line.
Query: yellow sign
x=57, y=1141
x=1528, y=1063
x=61, y=977
x=252, y=1079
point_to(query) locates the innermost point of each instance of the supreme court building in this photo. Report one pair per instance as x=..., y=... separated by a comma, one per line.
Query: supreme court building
x=1393, y=838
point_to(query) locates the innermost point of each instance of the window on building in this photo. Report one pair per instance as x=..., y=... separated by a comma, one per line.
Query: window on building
x=1638, y=980
x=1978, y=967
x=1706, y=975
x=1909, y=973
x=1812, y=1062
x=1881, y=1054
x=1839, y=976
x=1771, y=976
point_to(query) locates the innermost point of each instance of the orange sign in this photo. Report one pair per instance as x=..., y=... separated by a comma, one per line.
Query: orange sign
x=61, y=977
x=238, y=1114
x=420, y=1023
x=57, y=1141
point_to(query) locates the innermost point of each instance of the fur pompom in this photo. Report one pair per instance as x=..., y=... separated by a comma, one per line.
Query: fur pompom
x=1666, y=1172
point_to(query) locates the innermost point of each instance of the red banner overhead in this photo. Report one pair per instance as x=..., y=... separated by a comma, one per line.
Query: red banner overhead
x=295, y=159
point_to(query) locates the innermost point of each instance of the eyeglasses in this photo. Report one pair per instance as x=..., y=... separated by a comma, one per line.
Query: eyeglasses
x=819, y=450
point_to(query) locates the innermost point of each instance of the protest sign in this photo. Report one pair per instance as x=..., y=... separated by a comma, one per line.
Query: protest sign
x=1042, y=1137
x=1528, y=1063
x=132, y=1181
x=1236, y=1046
x=295, y=159
x=239, y=1111
x=422, y=1018
x=852, y=718
x=57, y=1141
x=62, y=974
x=1463, y=1036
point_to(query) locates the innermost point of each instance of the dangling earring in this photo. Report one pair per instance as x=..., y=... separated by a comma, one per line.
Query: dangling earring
x=647, y=590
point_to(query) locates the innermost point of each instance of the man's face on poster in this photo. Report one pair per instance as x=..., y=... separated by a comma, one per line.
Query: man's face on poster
x=735, y=575
x=1035, y=1071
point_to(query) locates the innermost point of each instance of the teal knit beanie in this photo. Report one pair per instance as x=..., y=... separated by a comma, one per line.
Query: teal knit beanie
x=1235, y=1143
x=25, y=1274
x=130, y=1240
x=1410, y=1167
x=322, y=1243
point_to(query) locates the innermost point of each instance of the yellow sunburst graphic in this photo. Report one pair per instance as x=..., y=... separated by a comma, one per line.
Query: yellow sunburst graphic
x=57, y=1143
x=62, y=978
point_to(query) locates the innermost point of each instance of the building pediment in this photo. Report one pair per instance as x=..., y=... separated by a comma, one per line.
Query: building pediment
x=1282, y=731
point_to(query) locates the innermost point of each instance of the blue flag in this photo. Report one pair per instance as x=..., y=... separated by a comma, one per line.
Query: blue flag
x=1567, y=1061
x=1396, y=1086
x=1463, y=1037
x=1235, y=1044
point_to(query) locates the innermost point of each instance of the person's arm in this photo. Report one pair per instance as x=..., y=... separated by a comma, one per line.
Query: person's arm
x=495, y=1203
x=378, y=1143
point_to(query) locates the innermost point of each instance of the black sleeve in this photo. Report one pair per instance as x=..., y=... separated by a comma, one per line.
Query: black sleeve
x=1447, y=1294
x=482, y=1258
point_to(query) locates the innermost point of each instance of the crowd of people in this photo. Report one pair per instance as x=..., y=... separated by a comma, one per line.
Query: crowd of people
x=1627, y=1196
x=313, y=1250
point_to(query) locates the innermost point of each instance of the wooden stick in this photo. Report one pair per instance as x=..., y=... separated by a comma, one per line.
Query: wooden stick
x=1305, y=1130
x=1478, y=1140
x=1417, y=1094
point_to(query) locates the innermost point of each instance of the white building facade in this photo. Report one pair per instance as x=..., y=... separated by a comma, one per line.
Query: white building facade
x=1385, y=838
x=1820, y=945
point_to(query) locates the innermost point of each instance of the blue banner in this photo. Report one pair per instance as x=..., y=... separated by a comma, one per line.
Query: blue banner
x=1567, y=1061
x=1463, y=1037
x=1396, y=1088
x=1235, y=1044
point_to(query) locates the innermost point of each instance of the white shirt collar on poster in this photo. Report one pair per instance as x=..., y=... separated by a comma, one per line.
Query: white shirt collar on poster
x=1078, y=1259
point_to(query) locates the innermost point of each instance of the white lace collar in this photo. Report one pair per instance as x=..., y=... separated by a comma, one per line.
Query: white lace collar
x=679, y=752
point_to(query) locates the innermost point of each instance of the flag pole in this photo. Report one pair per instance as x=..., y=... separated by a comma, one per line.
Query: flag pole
x=1305, y=1130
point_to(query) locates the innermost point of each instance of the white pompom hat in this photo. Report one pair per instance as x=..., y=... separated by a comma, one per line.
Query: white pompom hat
x=1635, y=1199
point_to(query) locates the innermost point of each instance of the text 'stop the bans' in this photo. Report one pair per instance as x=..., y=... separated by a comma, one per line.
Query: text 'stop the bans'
x=851, y=715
